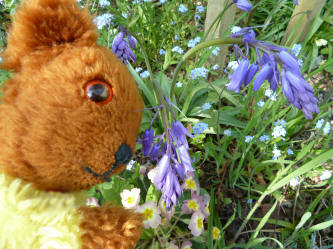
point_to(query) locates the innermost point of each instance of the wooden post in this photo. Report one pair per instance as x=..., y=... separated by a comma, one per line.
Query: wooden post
x=214, y=8
x=307, y=10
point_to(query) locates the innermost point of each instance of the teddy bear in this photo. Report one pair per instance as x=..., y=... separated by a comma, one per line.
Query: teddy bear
x=69, y=119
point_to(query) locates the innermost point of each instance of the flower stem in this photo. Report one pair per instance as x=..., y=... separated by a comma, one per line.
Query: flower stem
x=192, y=51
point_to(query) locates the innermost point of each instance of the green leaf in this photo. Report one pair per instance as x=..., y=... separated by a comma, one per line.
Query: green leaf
x=320, y=226
x=111, y=190
x=152, y=194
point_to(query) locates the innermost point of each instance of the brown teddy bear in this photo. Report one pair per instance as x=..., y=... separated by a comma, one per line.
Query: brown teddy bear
x=69, y=119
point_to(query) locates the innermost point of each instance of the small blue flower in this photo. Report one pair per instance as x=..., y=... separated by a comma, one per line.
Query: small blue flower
x=206, y=106
x=147, y=1
x=176, y=36
x=182, y=8
x=197, y=17
x=327, y=128
x=103, y=20
x=248, y=139
x=227, y=133
x=290, y=151
x=162, y=51
x=264, y=138
x=191, y=43
x=199, y=128
x=144, y=74
x=200, y=9
x=279, y=131
x=276, y=153
x=216, y=51
x=249, y=201
x=326, y=174
x=104, y=3
x=179, y=84
x=138, y=69
x=162, y=1
x=235, y=29
x=124, y=14
x=215, y=67
x=320, y=123
x=296, y=49
x=300, y=62
x=178, y=50
x=280, y=122
x=199, y=72
x=261, y=103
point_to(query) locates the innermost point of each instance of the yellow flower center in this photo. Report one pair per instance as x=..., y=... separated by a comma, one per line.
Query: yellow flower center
x=200, y=223
x=130, y=199
x=148, y=213
x=216, y=233
x=192, y=205
x=190, y=184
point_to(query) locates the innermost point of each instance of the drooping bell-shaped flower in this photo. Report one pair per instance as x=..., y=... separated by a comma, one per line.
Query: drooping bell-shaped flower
x=253, y=69
x=121, y=47
x=262, y=75
x=147, y=140
x=238, y=77
x=244, y=5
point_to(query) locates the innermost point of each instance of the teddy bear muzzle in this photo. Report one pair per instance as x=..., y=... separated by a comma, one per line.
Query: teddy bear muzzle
x=123, y=156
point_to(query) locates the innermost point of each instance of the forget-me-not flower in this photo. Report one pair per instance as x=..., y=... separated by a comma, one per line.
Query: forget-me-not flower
x=199, y=72
x=199, y=128
x=261, y=103
x=264, y=138
x=233, y=65
x=215, y=67
x=162, y=51
x=138, y=69
x=200, y=9
x=279, y=131
x=276, y=152
x=320, y=123
x=290, y=151
x=227, y=133
x=235, y=29
x=216, y=51
x=144, y=74
x=327, y=128
x=182, y=8
x=103, y=20
x=206, y=106
x=177, y=49
x=294, y=182
x=326, y=174
x=296, y=49
x=197, y=17
x=179, y=84
x=103, y=3
x=248, y=139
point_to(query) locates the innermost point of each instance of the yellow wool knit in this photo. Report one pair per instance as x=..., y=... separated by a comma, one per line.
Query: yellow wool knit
x=35, y=219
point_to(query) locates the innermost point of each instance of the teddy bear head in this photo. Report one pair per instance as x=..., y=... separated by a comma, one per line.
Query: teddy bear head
x=71, y=111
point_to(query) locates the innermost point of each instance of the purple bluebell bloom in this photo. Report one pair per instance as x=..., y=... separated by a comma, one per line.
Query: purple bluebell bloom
x=122, y=48
x=296, y=1
x=244, y=5
x=238, y=77
x=172, y=156
x=294, y=86
x=253, y=69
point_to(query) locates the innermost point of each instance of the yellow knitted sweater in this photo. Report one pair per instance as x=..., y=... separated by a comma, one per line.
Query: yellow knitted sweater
x=35, y=219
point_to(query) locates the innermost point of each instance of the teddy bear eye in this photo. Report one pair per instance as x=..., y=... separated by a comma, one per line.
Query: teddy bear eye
x=99, y=92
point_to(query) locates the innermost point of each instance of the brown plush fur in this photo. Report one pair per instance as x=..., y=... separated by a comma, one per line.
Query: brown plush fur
x=49, y=130
x=110, y=227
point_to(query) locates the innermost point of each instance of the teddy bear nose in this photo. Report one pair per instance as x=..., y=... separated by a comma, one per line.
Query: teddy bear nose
x=123, y=154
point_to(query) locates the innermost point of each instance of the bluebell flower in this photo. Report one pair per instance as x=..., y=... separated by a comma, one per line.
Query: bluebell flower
x=103, y=3
x=244, y=5
x=144, y=74
x=227, y=133
x=253, y=69
x=248, y=139
x=199, y=128
x=162, y=51
x=276, y=153
x=178, y=50
x=182, y=8
x=216, y=51
x=215, y=67
x=294, y=86
x=296, y=49
x=206, y=106
x=290, y=151
x=238, y=77
x=147, y=140
x=261, y=103
x=200, y=9
x=296, y=2
x=199, y=72
x=121, y=47
x=264, y=138
x=103, y=20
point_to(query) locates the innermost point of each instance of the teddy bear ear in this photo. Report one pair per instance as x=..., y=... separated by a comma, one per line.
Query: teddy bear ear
x=45, y=24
